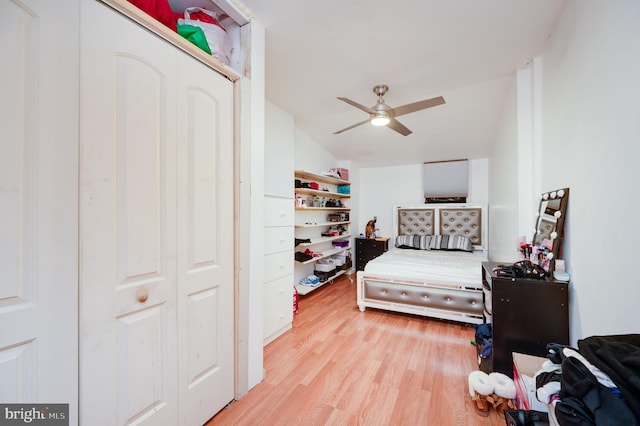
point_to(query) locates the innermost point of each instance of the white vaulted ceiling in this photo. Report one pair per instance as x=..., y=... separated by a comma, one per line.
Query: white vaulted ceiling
x=465, y=50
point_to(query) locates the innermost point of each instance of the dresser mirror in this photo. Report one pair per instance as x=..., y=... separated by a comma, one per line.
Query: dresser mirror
x=550, y=221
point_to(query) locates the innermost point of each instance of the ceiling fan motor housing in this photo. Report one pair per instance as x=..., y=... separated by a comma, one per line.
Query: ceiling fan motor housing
x=380, y=89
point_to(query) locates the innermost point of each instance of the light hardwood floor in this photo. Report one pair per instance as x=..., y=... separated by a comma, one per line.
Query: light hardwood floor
x=339, y=366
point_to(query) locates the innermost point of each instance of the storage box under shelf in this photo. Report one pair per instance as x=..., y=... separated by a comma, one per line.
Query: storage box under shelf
x=324, y=276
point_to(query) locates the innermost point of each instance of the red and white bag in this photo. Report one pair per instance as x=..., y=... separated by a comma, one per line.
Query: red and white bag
x=217, y=37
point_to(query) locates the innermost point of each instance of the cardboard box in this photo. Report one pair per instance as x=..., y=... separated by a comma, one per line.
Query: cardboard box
x=342, y=172
x=525, y=368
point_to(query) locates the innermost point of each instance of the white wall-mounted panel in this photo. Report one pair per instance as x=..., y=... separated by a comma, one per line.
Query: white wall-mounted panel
x=279, y=153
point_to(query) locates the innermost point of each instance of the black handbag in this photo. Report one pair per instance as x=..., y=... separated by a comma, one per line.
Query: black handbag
x=522, y=269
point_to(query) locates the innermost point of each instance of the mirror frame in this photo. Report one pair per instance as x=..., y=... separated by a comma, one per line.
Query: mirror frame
x=562, y=195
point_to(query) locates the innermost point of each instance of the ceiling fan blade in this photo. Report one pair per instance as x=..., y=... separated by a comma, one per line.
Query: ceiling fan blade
x=351, y=127
x=357, y=105
x=399, y=127
x=416, y=106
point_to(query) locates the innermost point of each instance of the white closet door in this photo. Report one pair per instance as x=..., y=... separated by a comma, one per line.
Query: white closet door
x=205, y=242
x=38, y=202
x=128, y=309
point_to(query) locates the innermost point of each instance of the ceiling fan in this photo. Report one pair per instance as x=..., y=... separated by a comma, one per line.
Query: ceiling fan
x=382, y=114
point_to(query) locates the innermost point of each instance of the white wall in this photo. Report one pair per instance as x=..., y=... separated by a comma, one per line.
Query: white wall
x=250, y=199
x=380, y=189
x=310, y=156
x=478, y=181
x=591, y=143
x=503, y=185
x=383, y=188
x=585, y=132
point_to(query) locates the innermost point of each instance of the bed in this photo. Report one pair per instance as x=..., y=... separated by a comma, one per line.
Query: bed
x=437, y=272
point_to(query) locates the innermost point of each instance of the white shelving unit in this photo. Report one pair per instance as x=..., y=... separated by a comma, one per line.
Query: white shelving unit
x=321, y=224
x=310, y=219
x=315, y=241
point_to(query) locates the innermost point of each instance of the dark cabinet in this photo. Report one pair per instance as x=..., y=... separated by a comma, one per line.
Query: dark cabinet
x=369, y=248
x=526, y=315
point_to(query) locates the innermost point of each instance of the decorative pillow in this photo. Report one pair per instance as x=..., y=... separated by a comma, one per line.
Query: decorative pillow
x=435, y=242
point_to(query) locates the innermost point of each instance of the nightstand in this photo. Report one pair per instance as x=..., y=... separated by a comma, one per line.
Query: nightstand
x=369, y=248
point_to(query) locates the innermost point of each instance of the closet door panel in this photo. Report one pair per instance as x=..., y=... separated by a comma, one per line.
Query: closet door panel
x=141, y=237
x=38, y=203
x=205, y=242
x=140, y=157
x=128, y=355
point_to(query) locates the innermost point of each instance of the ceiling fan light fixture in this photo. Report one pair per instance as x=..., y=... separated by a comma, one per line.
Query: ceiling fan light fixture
x=382, y=114
x=380, y=119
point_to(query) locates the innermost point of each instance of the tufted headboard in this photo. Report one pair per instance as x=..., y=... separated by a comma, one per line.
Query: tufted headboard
x=444, y=219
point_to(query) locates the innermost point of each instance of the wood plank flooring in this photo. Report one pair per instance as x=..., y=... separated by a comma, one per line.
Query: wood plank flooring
x=339, y=366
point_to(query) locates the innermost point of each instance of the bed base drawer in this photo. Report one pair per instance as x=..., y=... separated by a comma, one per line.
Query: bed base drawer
x=460, y=304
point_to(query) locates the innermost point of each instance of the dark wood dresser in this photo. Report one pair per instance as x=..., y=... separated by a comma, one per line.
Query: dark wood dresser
x=526, y=315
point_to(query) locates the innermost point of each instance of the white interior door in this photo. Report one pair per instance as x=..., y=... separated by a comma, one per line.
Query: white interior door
x=128, y=318
x=39, y=202
x=205, y=242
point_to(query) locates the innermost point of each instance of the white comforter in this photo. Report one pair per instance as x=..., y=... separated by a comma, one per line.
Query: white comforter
x=435, y=266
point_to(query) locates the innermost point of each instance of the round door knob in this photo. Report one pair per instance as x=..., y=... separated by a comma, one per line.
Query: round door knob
x=142, y=296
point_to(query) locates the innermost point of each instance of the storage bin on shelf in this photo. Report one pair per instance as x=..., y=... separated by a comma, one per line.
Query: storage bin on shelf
x=325, y=276
x=342, y=261
x=344, y=189
x=338, y=260
x=341, y=244
x=338, y=217
x=325, y=265
x=325, y=269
